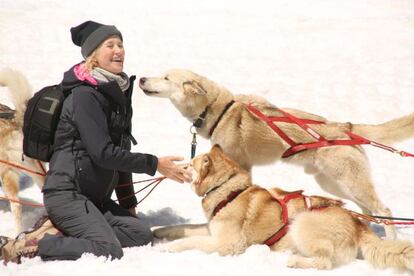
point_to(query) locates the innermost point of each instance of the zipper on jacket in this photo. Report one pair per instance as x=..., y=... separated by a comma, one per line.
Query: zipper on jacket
x=113, y=185
x=78, y=169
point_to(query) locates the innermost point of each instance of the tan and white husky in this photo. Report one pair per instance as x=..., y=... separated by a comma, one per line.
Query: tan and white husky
x=340, y=170
x=241, y=214
x=11, y=141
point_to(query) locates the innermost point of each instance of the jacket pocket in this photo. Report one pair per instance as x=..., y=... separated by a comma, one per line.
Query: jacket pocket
x=93, y=181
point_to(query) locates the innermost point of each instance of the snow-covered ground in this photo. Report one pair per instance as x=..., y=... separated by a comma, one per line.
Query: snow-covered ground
x=345, y=60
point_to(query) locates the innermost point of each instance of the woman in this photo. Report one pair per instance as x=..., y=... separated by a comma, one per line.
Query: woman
x=93, y=156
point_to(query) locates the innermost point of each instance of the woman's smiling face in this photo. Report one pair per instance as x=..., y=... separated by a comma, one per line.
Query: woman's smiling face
x=110, y=55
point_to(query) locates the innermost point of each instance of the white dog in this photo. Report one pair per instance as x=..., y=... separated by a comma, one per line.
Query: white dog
x=11, y=141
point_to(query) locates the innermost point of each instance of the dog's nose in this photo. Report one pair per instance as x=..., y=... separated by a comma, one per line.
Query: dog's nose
x=142, y=81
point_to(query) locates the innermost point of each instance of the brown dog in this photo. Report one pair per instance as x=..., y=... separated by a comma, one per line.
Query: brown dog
x=241, y=214
x=11, y=140
x=340, y=170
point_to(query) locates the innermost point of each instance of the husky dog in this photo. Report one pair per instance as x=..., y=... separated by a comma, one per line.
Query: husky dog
x=241, y=214
x=11, y=140
x=340, y=170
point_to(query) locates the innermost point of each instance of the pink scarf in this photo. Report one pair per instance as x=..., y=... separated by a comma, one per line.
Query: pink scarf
x=83, y=75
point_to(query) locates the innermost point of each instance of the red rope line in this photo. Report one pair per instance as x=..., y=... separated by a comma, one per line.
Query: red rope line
x=10, y=164
x=41, y=167
x=155, y=181
x=378, y=220
x=141, y=181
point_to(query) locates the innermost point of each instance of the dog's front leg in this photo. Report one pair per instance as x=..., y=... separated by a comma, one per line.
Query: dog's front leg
x=207, y=244
x=175, y=232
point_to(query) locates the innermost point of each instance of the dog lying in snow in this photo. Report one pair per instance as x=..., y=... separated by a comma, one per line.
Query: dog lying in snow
x=241, y=214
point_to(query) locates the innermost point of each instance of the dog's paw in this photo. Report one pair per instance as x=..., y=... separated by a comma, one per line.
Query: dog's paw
x=3, y=241
x=293, y=262
x=297, y=261
x=167, y=247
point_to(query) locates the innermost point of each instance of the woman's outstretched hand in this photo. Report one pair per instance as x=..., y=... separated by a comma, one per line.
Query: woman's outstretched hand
x=169, y=169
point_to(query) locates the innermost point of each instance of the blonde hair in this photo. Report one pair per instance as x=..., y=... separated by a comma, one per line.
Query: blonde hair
x=91, y=62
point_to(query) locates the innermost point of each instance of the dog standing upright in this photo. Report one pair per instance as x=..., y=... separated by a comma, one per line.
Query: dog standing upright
x=11, y=141
x=340, y=170
x=241, y=214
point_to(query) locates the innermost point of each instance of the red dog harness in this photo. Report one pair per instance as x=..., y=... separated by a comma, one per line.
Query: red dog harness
x=285, y=216
x=283, y=203
x=321, y=141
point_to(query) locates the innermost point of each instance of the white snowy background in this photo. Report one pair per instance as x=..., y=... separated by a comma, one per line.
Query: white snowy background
x=345, y=60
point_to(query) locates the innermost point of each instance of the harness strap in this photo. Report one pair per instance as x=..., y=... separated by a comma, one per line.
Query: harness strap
x=303, y=125
x=285, y=216
x=321, y=141
x=271, y=124
x=355, y=140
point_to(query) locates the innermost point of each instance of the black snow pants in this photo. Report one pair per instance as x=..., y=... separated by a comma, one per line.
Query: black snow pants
x=87, y=229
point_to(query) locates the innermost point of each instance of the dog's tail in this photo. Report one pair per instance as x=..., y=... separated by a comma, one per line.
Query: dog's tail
x=385, y=253
x=19, y=88
x=390, y=132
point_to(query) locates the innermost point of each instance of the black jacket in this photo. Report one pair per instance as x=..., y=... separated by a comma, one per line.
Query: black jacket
x=92, y=143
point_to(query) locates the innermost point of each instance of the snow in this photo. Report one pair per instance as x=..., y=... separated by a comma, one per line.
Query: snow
x=345, y=60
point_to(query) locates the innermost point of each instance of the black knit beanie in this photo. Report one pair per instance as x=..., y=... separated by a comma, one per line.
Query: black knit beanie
x=89, y=35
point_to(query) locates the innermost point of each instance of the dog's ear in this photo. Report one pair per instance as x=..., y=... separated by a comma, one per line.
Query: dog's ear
x=216, y=148
x=216, y=153
x=206, y=160
x=205, y=166
x=194, y=88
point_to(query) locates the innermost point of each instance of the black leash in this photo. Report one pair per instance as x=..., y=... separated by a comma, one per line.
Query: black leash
x=393, y=218
x=199, y=122
x=7, y=115
x=194, y=141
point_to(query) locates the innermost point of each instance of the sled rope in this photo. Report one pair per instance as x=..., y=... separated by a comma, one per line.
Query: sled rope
x=23, y=168
x=155, y=181
x=383, y=220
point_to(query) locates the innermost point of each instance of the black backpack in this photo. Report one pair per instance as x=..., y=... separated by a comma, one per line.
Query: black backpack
x=40, y=121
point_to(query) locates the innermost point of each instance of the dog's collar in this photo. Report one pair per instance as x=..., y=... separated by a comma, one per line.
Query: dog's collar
x=228, y=199
x=200, y=120
x=218, y=186
x=219, y=118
